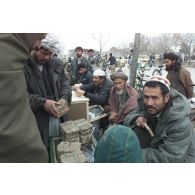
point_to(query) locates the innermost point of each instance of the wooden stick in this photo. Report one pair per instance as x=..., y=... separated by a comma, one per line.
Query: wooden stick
x=149, y=130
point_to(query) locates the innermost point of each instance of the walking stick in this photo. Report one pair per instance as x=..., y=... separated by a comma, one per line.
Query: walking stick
x=149, y=130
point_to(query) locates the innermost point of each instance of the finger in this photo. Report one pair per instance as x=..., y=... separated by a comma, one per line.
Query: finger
x=54, y=110
x=54, y=113
x=58, y=103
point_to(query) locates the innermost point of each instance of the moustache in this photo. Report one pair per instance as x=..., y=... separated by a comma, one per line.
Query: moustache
x=149, y=107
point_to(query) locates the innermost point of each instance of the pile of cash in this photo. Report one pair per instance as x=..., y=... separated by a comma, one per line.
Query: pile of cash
x=70, y=152
x=71, y=131
x=78, y=130
x=74, y=158
x=85, y=130
x=62, y=108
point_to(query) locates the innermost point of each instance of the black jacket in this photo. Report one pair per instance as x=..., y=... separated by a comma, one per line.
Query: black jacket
x=51, y=79
x=98, y=95
x=86, y=78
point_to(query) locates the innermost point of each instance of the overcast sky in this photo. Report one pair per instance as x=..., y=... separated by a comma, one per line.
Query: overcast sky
x=70, y=40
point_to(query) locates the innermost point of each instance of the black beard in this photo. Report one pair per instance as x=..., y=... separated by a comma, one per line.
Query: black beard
x=169, y=68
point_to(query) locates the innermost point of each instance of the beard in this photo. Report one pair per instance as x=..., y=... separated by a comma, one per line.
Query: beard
x=120, y=92
x=78, y=55
x=167, y=68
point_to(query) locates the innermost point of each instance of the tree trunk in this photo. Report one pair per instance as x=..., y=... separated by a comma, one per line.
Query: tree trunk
x=133, y=68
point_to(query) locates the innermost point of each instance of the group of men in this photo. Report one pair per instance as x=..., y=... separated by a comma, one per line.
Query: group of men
x=81, y=68
x=157, y=122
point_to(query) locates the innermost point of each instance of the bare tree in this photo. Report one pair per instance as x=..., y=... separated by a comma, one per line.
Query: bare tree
x=124, y=49
x=169, y=41
x=146, y=45
x=102, y=39
x=187, y=44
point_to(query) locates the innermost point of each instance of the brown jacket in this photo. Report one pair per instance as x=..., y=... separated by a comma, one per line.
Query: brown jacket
x=185, y=79
x=122, y=110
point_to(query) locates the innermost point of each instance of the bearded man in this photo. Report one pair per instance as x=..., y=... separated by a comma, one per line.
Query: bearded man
x=122, y=99
x=179, y=77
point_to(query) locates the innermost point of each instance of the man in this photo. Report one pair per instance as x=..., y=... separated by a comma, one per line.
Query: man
x=152, y=60
x=120, y=64
x=76, y=62
x=122, y=99
x=112, y=63
x=178, y=76
x=20, y=140
x=111, y=147
x=85, y=75
x=92, y=60
x=97, y=91
x=47, y=86
x=165, y=114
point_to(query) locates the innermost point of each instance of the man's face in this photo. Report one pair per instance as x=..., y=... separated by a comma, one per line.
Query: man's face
x=119, y=85
x=90, y=54
x=42, y=56
x=82, y=70
x=169, y=64
x=154, y=101
x=97, y=80
x=78, y=53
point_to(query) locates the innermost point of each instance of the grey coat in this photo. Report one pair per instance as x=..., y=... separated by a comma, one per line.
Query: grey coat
x=174, y=139
x=59, y=85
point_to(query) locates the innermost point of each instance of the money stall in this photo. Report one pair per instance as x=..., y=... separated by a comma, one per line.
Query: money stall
x=76, y=143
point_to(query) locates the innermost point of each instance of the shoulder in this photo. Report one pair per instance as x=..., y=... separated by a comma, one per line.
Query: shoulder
x=89, y=74
x=85, y=59
x=28, y=65
x=132, y=91
x=109, y=82
x=56, y=65
x=184, y=71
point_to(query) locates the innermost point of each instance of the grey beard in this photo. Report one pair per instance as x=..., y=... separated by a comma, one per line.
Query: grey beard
x=121, y=92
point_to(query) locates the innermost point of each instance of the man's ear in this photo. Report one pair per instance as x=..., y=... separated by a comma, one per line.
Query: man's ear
x=167, y=97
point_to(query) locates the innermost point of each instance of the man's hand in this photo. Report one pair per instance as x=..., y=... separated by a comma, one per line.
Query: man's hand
x=62, y=107
x=76, y=87
x=79, y=92
x=62, y=101
x=50, y=107
x=113, y=116
x=140, y=122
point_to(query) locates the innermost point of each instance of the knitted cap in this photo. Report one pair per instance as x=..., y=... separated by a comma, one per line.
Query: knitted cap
x=119, y=144
x=162, y=80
